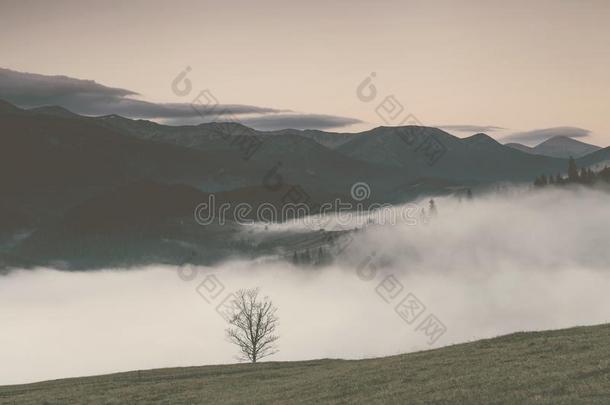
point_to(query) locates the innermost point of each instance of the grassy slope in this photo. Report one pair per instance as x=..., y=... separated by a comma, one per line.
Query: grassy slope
x=557, y=367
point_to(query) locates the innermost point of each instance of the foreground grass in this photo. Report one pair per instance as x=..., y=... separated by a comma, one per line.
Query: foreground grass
x=557, y=367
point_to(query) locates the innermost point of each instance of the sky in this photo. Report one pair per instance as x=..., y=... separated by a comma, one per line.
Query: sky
x=496, y=66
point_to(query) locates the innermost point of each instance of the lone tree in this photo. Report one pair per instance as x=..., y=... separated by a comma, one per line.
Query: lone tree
x=252, y=325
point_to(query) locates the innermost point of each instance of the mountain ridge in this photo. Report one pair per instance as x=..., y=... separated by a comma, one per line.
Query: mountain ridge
x=558, y=146
x=56, y=168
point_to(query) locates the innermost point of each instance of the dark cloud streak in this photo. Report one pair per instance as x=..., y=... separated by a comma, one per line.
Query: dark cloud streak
x=541, y=135
x=298, y=121
x=471, y=128
x=87, y=97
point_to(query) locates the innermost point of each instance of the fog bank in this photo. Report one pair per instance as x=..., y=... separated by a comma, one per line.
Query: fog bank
x=494, y=265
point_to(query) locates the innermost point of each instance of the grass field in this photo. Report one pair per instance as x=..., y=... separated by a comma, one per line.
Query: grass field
x=556, y=367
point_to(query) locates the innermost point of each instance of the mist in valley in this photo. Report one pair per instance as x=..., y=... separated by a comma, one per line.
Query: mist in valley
x=500, y=263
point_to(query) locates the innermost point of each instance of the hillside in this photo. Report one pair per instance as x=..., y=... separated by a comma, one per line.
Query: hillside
x=553, y=367
x=58, y=168
x=597, y=160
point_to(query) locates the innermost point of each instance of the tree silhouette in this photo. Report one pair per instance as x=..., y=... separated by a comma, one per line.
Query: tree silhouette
x=590, y=176
x=538, y=181
x=303, y=258
x=586, y=176
x=322, y=259
x=583, y=175
x=253, y=325
x=433, y=211
x=541, y=181
x=572, y=171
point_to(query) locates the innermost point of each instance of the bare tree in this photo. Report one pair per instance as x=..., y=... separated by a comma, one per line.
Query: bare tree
x=253, y=325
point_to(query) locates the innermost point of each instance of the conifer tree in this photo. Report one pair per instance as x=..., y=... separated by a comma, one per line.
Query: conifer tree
x=572, y=171
x=321, y=256
x=583, y=175
x=432, y=208
x=305, y=258
x=538, y=181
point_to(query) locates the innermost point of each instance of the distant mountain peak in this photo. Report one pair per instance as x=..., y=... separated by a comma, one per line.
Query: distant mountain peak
x=558, y=146
x=481, y=138
x=562, y=140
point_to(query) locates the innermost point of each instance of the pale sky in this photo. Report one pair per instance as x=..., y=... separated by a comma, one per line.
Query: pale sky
x=519, y=65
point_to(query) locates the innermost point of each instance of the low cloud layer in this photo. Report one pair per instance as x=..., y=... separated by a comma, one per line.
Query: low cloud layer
x=508, y=262
x=471, y=128
x=90, y=98
x=540, y=135
x=298, y=121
